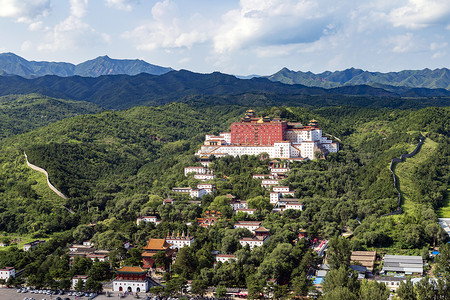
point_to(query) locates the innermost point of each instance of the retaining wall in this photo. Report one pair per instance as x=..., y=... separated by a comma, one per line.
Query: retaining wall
x=39, y=169
x=391, y=168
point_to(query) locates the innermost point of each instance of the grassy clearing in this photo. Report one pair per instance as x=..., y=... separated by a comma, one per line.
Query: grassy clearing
x=444, y=211
x=405, y=174
x=42, y=189
x=17, y=240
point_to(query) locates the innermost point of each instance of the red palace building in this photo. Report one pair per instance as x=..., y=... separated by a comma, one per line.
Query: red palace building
x=257, y=131
x=275, y=137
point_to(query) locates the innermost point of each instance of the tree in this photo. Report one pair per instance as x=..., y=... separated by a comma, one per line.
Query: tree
x=340, y=293
x=260, y=203
x=300, y=285
x=406, y=290
x=83, y=233
x=161, y=259
x=255, y=287
x=426, y=289
x=199, y=287
x=432, y=230
x=220, y=291
x=342, y=277
x=186, y=262
x=100, y=270
x=338, y=253
x=134, y=257
x=443, y=260
x=279, y=264
x=372, y=290
x=156, y=290
x=79, y=286
x=65, y=284
x=175, y=285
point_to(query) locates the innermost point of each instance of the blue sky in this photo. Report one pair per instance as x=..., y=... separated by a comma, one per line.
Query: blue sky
x=236, y=37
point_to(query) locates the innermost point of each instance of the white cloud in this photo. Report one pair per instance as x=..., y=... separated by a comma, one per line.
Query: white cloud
x=27, y=45
x=78, y=8
x=168, y=29
x=35, y=26
x=402, y=43
x=275, y=22
x=418, y=14
x=125, y=5
x=24, y=10
x=73, y=33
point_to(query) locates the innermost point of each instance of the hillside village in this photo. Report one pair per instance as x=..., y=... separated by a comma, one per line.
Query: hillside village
x=217, y=252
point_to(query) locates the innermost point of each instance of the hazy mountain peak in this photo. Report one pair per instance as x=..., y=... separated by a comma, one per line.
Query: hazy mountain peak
x=13, y=64
x=426, y=78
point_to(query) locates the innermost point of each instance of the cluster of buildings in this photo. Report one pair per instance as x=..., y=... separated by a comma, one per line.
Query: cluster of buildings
x=278, y=138
x=86, y=249
x=395, y=268
x=200, y=173
x=138, y=279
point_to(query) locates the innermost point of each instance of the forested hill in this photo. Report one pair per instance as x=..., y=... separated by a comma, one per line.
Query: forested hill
x=123, y=91
x=115, y=166
x=426, y=78
x=22, y=113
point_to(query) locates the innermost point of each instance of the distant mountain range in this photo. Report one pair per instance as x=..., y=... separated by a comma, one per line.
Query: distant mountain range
x=426, y=78
x=12, y=64
x=395, y=82
x=124, y=91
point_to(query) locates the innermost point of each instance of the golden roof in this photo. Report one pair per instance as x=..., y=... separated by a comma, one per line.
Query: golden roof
x=260, y=120
x=157, y=244
x=131, y=270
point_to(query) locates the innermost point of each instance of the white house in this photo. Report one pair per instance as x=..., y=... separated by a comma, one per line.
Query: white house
x=75, y=279
x=209, y=188
x=281, y=192
x=184, y=190
x=274, y=197
x=196, y=170
x=281, y=189
x=147, y=219
x=262, y=176
x=256, y=241
x=279, y=170
x=250, y=225
x=32, y=245
x=238, y=204
x=392, y=283
x=249, y=211
x=204, y=177
x=7, y=272
x=197, y=193
x=267, y=183
x=225, y=258
x=99, y=256
x=179, y=242
x=294, y=205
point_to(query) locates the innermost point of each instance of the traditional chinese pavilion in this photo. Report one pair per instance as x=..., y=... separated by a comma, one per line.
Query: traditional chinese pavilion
x=153, y=247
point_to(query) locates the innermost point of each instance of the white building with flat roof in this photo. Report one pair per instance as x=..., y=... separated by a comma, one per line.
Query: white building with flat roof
x=7, y=272
x=225, y=258
x=196, y=170
x=250, y=225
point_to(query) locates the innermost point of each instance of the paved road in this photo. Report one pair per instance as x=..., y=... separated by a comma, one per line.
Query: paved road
x=11, y=294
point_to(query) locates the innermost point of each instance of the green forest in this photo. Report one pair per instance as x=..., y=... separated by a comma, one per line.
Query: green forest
x=115, y=166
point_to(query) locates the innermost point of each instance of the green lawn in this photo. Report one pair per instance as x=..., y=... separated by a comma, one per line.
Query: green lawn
x=444, y=211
